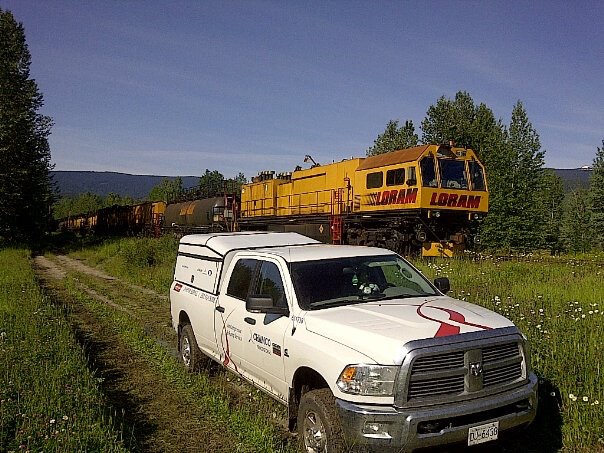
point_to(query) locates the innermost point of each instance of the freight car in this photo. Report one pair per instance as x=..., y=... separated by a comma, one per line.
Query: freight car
x=119, y=220
x=427, y=198
x=201, y=216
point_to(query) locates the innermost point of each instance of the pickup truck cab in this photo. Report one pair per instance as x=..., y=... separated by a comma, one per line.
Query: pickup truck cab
x=360, y=346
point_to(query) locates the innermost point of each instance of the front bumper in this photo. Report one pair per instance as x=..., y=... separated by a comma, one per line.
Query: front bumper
x=408, y=429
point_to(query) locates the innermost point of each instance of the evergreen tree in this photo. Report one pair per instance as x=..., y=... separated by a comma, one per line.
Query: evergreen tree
x=394, y=138
x=551, y=200
x=575, y=231
x=25, y=189
x=526, y=183
x=596, y=198
x=514, y=167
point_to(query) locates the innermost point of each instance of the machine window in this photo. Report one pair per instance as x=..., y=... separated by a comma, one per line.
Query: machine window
x=395, y=177
x=412, y=179
x=476, y=175
x=269, y=283
x=453, y=174
x=239, y=285
x=428, y=172
x=375, y=180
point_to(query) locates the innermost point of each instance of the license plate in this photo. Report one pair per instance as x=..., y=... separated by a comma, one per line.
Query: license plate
x=483, y=433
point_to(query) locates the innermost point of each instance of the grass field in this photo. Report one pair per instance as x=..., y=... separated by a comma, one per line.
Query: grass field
x=556, y=301
x=49, y=400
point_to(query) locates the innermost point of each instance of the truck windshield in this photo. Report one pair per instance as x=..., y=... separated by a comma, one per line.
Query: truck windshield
x=353, y=280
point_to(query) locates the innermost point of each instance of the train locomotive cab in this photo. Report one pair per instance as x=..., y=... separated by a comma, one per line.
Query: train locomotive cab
x=427, y=199
x=428, y=196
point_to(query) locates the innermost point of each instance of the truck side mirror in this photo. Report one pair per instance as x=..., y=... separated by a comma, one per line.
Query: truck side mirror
x=442, y=284
x=264, y=304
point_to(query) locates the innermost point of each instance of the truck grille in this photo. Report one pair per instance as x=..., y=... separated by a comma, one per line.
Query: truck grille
x=463, y=372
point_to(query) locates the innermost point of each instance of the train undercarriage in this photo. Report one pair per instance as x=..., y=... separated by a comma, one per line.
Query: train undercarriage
x=406, y=233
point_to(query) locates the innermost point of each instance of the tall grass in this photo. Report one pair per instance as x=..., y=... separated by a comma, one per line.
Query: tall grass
x=247, y=427
x=558, y=302
x=49, y=401
x=144, y=261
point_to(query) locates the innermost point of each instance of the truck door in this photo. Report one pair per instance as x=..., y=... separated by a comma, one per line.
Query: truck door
x=264, y=333
x=230, y=312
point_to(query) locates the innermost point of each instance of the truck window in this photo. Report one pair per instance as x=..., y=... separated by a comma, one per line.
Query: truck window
x=395, y=177
x=241, y=278
x=428, y=172
x=375, y=180
x=269, y=283
x=356, y=280
x=476, y=175
x=453, y=174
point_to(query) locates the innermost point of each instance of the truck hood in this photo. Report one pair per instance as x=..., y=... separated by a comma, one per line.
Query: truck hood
x=380, y=329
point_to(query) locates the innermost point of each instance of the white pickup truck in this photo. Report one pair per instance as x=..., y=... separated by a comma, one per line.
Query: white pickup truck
x=362, y=348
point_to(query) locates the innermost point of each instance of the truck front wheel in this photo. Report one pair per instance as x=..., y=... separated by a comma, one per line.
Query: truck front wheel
x=319, y=428
x=189, y=351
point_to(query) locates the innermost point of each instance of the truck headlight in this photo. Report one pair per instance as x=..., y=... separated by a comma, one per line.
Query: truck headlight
x=375, y=380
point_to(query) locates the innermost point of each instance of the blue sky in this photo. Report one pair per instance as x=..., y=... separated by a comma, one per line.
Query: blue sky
x=174, y=88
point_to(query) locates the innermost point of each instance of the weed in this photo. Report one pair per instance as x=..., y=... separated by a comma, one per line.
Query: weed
x=49, y=401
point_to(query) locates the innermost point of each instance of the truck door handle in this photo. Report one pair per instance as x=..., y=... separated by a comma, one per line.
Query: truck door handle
x=251, y=321
x=220, y=309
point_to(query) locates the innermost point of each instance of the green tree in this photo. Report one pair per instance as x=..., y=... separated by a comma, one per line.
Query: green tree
x=596, y=197
x=394, y=138
x=233, y=185
x=167, y=190
x=112, y=199
x=211, y=183
x=87, y=202
x=514, y=166
x=575, y=231
x=451, y=120
x=551, y=199
x=26, y=192
x=526, y=183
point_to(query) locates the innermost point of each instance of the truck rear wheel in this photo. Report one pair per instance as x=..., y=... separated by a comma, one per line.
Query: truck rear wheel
x=319, y=428
x=190, y=353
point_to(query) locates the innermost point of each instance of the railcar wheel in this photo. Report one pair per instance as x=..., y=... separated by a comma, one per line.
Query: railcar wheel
x=190, y=353
x=319, y=428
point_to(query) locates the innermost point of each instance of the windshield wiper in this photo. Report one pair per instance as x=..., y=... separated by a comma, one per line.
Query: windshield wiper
x=335, y=303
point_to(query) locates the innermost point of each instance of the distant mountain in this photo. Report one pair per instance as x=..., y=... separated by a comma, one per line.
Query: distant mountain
x=138, y=186
x=72, y=183
x=574, y=178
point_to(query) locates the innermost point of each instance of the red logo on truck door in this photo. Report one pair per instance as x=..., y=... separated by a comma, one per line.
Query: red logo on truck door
x=453, y=200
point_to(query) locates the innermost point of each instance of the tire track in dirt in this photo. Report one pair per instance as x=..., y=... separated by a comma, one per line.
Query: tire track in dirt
x=156, y=416
x=78, y=266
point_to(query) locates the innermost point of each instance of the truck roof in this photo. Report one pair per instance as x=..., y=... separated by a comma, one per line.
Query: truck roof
x=292, y=247
x=314, y=252
x=223, y=243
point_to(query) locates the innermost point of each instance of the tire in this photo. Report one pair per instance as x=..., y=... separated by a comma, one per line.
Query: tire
x=319, y=427
x=190, y=354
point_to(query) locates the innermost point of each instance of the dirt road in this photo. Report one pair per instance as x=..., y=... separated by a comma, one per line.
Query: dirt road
x=157, y=415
